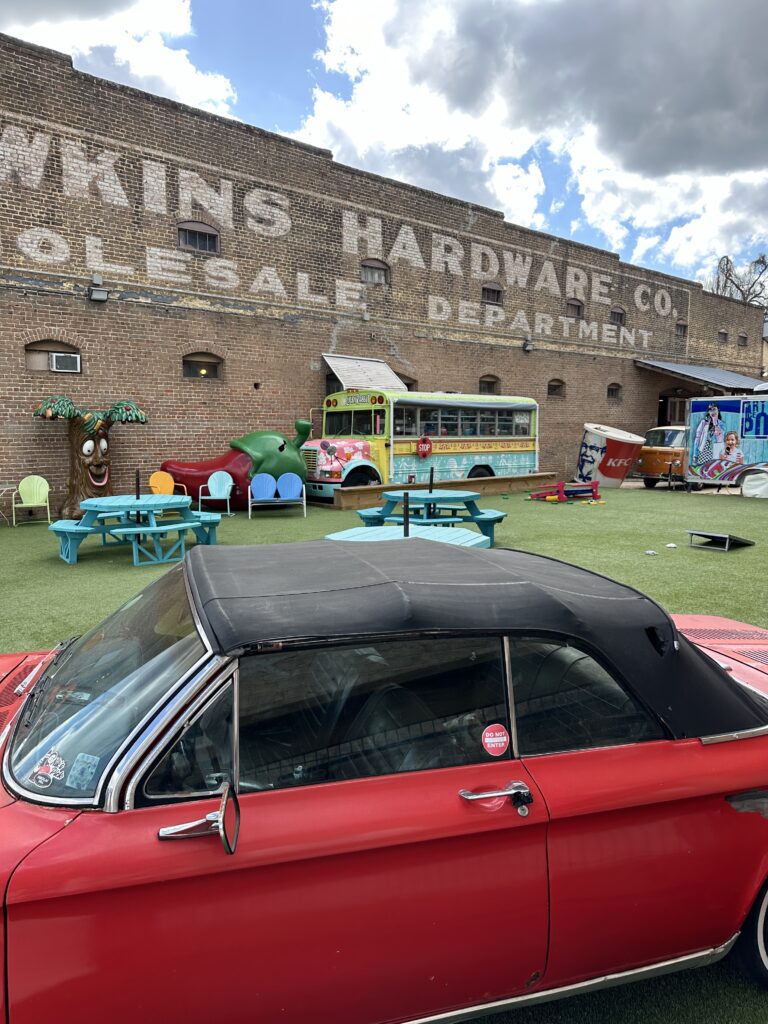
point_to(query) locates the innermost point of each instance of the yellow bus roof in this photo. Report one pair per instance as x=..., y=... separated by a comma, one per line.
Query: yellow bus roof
x=445, y=398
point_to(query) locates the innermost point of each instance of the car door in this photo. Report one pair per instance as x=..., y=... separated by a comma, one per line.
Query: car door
x=647, y=859
x=364, y=887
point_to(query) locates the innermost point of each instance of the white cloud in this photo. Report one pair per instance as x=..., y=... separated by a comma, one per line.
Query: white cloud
x=129, y=45
x=651, y=172
x=643, y=245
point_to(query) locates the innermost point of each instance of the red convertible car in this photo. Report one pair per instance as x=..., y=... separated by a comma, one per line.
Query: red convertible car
x=368, y=783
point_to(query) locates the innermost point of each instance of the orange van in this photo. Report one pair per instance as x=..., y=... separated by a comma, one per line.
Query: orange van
x=663, y=455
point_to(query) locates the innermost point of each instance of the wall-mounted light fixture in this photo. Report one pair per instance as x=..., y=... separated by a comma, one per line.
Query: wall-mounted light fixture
x=96, y=290
x=528, y=344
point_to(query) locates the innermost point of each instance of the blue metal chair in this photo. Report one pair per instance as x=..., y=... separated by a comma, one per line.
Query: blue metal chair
x=290, y=488
x=219, y=488
x=262, y=491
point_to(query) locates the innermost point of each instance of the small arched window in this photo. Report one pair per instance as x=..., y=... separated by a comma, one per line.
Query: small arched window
x=575, y=308
x=54, y=356
x=556, y=388
x=374, y=272
x=198, y=237
x=613, y=392
x=202, y=366
x=722, y=337
x=743, y=340
x=618, y=316
x=489, y=385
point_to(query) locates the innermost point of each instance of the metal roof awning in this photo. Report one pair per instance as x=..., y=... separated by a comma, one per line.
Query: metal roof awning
x=710, y=376
x=355, y=372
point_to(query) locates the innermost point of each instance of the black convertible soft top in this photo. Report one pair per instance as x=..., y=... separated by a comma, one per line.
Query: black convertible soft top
x=264, y=594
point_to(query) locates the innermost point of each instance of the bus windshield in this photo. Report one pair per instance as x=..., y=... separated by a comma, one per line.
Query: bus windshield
x=360, y=422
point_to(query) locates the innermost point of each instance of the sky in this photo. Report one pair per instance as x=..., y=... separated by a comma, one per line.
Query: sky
x=637, y=126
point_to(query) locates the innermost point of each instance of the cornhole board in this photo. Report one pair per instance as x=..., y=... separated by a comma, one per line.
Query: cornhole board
x=717, y=541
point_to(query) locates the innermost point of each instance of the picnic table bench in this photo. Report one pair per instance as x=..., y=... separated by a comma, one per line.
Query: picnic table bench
x=128, y=520
x=140, y=533
x=435, y=508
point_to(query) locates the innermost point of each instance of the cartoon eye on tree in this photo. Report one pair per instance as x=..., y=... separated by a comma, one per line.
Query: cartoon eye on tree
x=89, y=458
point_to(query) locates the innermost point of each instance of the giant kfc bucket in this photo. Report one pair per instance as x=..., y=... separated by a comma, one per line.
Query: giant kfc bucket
x=606, y=454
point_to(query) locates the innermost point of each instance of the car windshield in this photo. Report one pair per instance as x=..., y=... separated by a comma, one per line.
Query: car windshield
x=665, y=437
x=100, y=688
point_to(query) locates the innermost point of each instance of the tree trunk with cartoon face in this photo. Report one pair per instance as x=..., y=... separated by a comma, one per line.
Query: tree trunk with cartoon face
x=89, y=464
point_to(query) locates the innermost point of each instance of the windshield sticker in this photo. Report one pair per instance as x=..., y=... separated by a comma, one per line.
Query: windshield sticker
x=82, y=771
x=48, y=769
x=495, y=740
x=75, y=697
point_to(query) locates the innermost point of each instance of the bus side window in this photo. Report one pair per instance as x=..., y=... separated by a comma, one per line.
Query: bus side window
x=405, y=422
x=449, y=422
x=505, y=424
x=468, y=423
x=488, y=424
x=378, y=423
x=522, y=424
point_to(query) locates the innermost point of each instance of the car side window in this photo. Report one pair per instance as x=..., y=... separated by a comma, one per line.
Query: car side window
x=200, y=761
x=565, y=700
x=348, y=712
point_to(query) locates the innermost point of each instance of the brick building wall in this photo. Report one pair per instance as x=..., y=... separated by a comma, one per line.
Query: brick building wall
x=95, y=179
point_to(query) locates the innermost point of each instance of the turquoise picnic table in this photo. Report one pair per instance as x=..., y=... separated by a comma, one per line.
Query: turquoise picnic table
x=459, y=537
x=437, y=508
x=126, y=519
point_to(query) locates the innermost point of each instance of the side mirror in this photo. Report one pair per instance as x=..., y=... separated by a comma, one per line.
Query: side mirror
x=225, y=821
x=229, y=819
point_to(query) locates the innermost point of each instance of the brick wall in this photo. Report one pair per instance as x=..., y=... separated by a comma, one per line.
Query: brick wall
x=95, y=178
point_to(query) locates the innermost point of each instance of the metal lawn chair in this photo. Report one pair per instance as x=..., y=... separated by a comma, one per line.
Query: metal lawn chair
x=163, y=483
x=291, y=490
x=32, y=492
x=218, y=488
x=262, y=491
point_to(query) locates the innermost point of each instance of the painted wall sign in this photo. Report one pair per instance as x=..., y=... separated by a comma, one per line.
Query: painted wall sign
x=118, y=176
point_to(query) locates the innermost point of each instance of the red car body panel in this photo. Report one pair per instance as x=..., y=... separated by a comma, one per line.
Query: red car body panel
x=327, y=882
x=630, y=855
x=647, y=860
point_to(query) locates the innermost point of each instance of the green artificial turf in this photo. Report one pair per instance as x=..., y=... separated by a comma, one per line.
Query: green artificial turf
x=43, y=600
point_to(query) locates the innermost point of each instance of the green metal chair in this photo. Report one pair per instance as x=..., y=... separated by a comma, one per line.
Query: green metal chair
x=32, y=492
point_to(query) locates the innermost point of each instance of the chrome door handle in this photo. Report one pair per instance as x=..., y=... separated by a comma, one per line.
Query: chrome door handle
x=518, y=791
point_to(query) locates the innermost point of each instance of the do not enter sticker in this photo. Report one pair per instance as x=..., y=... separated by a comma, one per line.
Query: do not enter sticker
x=495, y=739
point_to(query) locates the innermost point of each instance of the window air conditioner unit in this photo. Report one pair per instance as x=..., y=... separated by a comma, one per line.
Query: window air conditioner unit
x=64, y=362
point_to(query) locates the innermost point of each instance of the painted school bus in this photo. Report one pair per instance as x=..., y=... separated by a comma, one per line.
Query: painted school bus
x=375, y=436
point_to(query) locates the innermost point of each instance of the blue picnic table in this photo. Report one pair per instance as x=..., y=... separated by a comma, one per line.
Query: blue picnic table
x=438, y=508
x=126, y=519
x=459, y=537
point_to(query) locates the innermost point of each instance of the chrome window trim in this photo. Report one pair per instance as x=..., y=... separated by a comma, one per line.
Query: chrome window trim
x=509, y=685
x=236, y=726
x=199, y=706
x=731, y=737
x=701, y=959
x=148, y=735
